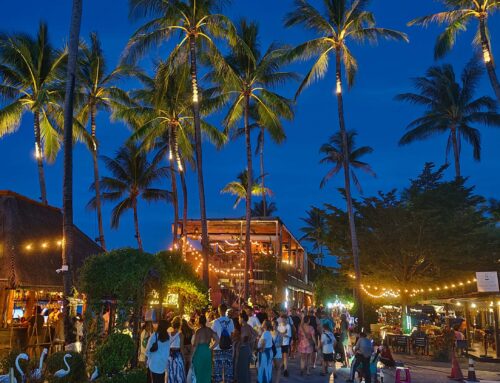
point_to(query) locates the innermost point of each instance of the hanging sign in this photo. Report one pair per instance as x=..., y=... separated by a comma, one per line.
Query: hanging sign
x=487, y=282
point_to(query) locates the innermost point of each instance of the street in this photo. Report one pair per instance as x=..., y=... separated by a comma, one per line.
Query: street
x=422, y=371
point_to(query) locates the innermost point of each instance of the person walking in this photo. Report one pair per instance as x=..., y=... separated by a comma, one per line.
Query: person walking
x=146, y=332
x=175, y=364
x=285, y=330
x=363, y=352
x=223, y=352
x=344, y=339
x=296, y=319
x=307, y=345
x=265, y=346
x=278, y=345
x=328, y=346
x=187, y=335
x=157, y=353
x=245, y=347
x=202, y=351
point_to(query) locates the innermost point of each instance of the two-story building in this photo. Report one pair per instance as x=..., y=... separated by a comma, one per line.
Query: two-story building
x=281, y=264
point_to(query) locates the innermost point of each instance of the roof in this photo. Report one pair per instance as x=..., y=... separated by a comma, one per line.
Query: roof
x=30, y=243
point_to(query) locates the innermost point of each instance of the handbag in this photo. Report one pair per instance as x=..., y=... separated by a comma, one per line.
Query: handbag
x=154, y=347
x=191, y=376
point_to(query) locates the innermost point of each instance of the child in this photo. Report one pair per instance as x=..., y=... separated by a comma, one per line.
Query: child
x=328, y=345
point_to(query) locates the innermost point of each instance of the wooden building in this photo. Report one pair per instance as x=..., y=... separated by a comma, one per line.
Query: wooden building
x=281, y=265
x=30, y=254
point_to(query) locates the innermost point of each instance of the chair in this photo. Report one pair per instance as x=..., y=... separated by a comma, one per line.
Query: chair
x=420, y=344
x=407, y=375
x=402, y=343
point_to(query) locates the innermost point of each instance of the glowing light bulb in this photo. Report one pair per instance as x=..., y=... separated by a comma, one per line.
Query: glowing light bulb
x=486, y=55
x=339, y=87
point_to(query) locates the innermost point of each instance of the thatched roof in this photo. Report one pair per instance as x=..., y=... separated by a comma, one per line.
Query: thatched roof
x=30, y=243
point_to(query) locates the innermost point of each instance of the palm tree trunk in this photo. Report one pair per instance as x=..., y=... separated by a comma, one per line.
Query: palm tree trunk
x=97, y=184
x=347, y=185
x=136, y=225
x=264, y=204
x=39, y=158
x=488, y=57
x=184, y=207
x=175, y=196
x=456, y=151
x=67, y=248
x=249, y=281
x=199, y=160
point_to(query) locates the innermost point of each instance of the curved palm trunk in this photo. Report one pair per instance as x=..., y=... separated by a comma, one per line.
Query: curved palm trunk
x=39, y=158
x=347, y=185
x=136, y=225
x=97, y=184
x=175, y=202
x=488, y=58
x=264, y=204
x=456, y=151
x=184, y=207
x=67, y=248
x=249, y=281
x=199, y=160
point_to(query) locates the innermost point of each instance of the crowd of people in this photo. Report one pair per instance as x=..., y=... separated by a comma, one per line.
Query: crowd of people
x=222, y=345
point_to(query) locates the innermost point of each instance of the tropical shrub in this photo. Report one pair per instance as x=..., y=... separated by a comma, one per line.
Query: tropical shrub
x=77, y=374
x=114, y=354
x=9, y=361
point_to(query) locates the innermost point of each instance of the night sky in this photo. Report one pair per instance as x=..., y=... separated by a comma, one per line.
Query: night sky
x=294, y=173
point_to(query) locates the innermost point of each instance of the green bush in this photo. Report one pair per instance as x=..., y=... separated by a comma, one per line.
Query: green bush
x=131, y=376
x=77, y=374
x=114, y=355
x=9, y=361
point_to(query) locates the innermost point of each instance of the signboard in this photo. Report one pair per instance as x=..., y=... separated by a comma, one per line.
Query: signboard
x=487, y=282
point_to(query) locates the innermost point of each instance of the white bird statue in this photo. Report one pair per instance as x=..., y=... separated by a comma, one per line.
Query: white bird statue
x=95, y=374
x=6, y=378
x=62, y=373
x=36, y=374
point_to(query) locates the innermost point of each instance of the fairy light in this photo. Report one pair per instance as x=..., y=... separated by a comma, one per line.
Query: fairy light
x=338, y=89
x=486, y=54
x=195, y=91
x=38, y=152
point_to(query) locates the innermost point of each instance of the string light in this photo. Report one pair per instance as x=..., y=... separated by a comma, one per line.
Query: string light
x=44, y=245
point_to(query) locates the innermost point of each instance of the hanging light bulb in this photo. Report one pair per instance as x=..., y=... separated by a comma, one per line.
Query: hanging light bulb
x=38, y=152
x=339, y=86
x=486, y=54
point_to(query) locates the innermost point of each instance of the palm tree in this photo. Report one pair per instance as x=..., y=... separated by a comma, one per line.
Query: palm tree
x=196, y=25
x=30, y=69
x=456, y=17
x=98, y=92
x=450, y=108
x=248, y=79
x=239, y=188
x=67, y=234
x=133, y=177
x=263, y=208
x=316, y=230
x=161, y=114
x=342, y=21
x=334, y=154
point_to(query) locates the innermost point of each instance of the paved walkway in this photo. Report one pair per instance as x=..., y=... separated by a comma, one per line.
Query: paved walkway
x=422, y=369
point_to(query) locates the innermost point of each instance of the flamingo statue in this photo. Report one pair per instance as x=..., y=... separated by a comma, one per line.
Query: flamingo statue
x=94, y=375
x=63, y=372
x=36, y=374
x=6, y=378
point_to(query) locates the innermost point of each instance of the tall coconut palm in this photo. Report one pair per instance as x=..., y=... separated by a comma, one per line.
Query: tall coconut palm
x=132, y=177
x=450, y=108
x=161, y=114
x=98, y=91
x=69, y=96
x=239, y=188
x=263, y=208
x=249, y=79
x=195, y=22
x=456, y=17
x=316, y=230
x=30, y=68
x=341, y=22
x=333, y=152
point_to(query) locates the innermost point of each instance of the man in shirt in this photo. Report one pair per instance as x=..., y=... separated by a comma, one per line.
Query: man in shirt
x=223, y=352
x=328, y=346
x=253, y=321
x=295, y=331
x=363, y=352
x=285, y=330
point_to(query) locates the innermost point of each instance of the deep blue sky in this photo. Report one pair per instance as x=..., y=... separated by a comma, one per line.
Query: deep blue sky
x=384, y=71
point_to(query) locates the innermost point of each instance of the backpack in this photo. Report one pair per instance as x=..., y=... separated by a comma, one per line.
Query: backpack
x=225, y=339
